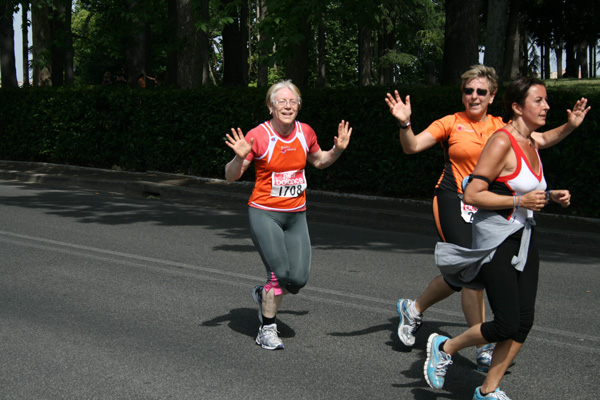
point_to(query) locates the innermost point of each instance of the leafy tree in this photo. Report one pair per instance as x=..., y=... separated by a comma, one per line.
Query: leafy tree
x=127, y=38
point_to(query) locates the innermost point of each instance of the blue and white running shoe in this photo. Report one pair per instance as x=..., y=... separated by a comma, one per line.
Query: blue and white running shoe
x=484, y=357
x=437, y=362
x=409, y=324
x=497, y=394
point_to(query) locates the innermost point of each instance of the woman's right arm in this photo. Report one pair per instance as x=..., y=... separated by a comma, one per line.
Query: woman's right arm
x=402, y=111
x=236, y=167
x=491, y=164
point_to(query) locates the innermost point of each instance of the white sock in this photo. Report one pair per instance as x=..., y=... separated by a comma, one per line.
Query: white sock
x=413, y=309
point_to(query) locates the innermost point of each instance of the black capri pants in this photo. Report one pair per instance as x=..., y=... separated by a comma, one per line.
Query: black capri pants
x=511, y=293
x=449, y=223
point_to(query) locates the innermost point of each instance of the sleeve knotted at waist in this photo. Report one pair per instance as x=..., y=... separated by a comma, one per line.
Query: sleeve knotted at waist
x=490, y=230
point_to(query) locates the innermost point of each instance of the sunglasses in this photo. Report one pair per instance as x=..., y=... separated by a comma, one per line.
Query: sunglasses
x=470, y=90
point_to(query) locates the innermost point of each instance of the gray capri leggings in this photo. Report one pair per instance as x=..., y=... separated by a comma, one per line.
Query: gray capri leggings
x=283, y=243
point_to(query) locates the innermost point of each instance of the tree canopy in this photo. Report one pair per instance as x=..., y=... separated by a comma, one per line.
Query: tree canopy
x=316, y=43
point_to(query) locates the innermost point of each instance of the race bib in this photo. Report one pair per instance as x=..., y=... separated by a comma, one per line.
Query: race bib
x=288, y=184
x=467, y=212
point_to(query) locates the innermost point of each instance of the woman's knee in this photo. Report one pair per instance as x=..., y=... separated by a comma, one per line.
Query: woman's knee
x=295, y=283
x=498, y=331
x=524, y=329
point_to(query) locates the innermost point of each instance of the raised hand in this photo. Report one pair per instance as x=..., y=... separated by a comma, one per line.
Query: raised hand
x=238, y=143
x=577, y=115
x=342, y=140
x=401, y=110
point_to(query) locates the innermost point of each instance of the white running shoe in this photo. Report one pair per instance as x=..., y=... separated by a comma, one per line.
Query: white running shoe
x=267, y=337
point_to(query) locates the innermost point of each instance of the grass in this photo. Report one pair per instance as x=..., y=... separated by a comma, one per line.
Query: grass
x=572, y=83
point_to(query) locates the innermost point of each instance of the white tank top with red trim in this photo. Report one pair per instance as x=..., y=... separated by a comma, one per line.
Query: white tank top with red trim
x=523, y=180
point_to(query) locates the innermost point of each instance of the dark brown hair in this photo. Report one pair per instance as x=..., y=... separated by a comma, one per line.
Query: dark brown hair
x=516, y=92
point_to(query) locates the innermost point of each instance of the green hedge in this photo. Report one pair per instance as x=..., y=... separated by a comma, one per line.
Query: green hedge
x=181, y=131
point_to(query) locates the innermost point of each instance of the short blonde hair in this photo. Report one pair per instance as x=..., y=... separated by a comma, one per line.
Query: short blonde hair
x=480, y=71
x=281, y=85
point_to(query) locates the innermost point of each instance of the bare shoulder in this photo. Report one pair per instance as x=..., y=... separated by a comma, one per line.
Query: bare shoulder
x=500, y=139
x=498, y=145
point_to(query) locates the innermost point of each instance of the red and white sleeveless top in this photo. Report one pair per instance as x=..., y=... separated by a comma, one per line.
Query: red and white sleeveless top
x=280, y=177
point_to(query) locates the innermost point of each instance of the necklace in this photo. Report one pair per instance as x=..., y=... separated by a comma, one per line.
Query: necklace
x=523, y=136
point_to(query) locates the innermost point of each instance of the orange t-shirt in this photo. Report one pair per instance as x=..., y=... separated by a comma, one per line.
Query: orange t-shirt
x=279, y=162
x=462, y=140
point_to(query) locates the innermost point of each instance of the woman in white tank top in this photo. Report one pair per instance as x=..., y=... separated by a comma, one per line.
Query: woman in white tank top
x=508, y=185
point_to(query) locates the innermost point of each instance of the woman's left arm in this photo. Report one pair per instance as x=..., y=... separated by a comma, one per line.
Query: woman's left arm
x=574, y=119
x=323, y=159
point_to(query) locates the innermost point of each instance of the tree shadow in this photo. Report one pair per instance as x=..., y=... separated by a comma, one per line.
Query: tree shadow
x=228, y=217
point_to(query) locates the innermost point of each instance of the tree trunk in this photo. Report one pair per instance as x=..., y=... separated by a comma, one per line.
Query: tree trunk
x=547, y=61
x=460, y=44
x=263, y=65
x=42, y=40
x=592, y=61
x=7, y=47
x=135, y=46
x=571, y=70
x=296, y=66
x=364, y=56
x=523, y=50
x=495, y=35
x=171, y=73
x=25, y=46
x=558, y=50
x=192, y=56
x=511, y=49
x=583, y=58
x=58, y=46
x=69, y=52
x=542, y=60
x=384, y=45
x=322, y=50
x=235, y=53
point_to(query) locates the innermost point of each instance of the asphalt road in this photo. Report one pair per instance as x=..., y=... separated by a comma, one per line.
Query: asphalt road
x=104, y=296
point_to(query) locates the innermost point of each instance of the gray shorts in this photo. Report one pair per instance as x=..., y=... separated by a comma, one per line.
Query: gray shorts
x=283, y=243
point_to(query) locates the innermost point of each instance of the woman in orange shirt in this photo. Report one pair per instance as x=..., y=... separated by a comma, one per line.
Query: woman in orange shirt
x=462, y=137
x=277, y=207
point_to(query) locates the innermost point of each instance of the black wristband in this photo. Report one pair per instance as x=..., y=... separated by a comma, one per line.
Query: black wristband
x=404, y=126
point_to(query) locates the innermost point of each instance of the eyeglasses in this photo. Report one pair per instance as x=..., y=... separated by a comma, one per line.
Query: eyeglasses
x=284, y=103
x=469, y=91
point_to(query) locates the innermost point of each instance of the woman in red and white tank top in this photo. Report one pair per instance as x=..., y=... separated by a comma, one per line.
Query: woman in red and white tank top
x=280, y=149
x=508, y=186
